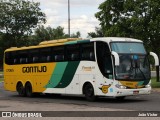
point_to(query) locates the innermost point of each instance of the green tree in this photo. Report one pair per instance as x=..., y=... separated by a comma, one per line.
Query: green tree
x=17, y=19
x=1, y=50
x=76, y=35
x=48, y=33
x=98, y=33
x=132, y=18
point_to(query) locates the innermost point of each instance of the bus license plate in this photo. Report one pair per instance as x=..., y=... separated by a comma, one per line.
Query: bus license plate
x=135, y=92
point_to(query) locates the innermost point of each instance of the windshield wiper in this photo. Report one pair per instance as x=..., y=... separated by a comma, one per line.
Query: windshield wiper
x=136, y=67
x=142, y=74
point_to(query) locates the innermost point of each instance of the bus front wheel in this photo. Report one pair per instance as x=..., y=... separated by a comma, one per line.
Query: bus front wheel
x=89, y=92
x=20, y=89
x=28, y=89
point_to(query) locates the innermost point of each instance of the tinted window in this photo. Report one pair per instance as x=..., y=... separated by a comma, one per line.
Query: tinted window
x=73, y=52
x=8, y=58
x=59, y=54
x=88, y=52
x=23, y=57
x=45, y=55
x=104, y=59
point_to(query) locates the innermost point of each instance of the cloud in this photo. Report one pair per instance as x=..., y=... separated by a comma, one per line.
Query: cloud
x=51, y=3
x=82, y=14
x=52, y=16
x=84, y=24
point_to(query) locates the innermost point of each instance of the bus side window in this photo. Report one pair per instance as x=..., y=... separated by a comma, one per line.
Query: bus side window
x=59, y=58
x=74, y=57
x=12, y=58
x=8, y=58
x=16, y=57
x=59, y=53
x=23, y=57
x=15, y=61
x=23, y=60
x=45, y=55
x=35, y=59
x=34, y=56
x=48, y=58
x=88, y=52
x=73, y=52
x=43, y=59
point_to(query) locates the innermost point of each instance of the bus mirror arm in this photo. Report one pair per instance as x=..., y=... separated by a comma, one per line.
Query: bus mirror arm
x=116, y=56
x=155, y=58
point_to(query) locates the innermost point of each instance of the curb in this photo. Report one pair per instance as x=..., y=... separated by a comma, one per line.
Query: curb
x=1, y=75
x=156, y=90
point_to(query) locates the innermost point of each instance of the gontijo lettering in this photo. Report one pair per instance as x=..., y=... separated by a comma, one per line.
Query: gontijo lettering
x=34, y=69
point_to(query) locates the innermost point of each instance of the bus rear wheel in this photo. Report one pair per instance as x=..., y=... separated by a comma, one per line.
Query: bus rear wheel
x=20, y=89
x=89, y=92
x=28, y=89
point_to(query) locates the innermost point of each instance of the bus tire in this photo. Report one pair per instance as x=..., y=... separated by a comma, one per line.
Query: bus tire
x=20, y=89
x=89, y=92
x=28, y=89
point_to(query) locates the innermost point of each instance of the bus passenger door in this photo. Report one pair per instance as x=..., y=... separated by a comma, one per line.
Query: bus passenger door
x=104, y=62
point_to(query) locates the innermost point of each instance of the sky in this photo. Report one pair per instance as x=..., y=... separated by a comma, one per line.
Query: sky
x=82, y=14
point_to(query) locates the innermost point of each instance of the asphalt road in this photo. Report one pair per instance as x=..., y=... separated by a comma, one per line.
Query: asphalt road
x=10, y=101
x=136, y=103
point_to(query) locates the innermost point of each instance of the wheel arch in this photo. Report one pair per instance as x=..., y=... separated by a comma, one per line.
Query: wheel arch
x=85, y=83
x=27, y=82
x=20, y=81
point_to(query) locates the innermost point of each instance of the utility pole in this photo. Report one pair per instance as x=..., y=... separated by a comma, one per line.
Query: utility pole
x=69, y=18
x=157, y=70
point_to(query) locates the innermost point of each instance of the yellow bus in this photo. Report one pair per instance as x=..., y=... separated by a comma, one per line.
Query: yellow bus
x=108, y=66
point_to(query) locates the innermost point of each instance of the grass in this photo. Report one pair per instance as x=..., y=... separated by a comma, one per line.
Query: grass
x=154, y=83
x=1, y=79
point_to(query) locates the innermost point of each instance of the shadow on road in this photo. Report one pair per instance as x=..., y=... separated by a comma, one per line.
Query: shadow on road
x=70, y=98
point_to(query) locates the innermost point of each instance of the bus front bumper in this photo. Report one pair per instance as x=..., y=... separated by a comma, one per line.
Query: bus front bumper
x=130, y=92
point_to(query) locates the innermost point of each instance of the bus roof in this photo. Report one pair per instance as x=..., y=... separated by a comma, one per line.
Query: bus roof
x=115, y=39
x=73, y=41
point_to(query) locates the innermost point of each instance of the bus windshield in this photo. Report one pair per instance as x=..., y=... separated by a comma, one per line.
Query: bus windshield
x=134, y=64
x=128, y=47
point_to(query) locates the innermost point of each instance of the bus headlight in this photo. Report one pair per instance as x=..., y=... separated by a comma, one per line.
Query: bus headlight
x=120, y=86
x=147, y=86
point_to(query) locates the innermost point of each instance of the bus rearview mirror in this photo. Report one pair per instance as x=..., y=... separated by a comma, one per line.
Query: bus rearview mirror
x=116, y=56
x=156, y=59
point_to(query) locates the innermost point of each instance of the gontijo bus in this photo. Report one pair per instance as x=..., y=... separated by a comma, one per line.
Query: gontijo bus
x=108, y=66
